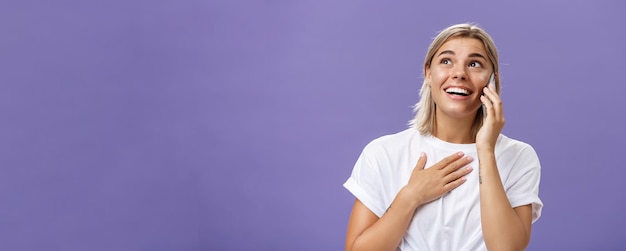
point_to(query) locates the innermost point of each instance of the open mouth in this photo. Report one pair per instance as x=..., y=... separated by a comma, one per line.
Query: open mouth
x=458, y=91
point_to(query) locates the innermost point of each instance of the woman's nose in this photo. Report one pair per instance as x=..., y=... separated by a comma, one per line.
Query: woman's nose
x=459, y=73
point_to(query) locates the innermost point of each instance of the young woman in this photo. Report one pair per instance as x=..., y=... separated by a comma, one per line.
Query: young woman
x=451, y=181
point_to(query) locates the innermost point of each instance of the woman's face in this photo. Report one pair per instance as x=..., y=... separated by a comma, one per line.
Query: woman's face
x=457, y=74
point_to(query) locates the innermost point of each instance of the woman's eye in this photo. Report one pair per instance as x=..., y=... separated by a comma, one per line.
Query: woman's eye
x=445, y=61
x=475, y=64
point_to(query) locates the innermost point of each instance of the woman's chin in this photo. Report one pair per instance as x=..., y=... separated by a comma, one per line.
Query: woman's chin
x=459, y=113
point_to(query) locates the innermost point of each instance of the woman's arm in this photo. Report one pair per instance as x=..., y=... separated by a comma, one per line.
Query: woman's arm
x=368, y=232
x=504, y=227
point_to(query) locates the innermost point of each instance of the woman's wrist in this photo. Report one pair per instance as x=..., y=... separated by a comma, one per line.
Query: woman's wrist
x=409, y=198
x=485, y=148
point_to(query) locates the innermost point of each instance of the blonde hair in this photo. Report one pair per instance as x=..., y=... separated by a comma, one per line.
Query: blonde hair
x=425, y=120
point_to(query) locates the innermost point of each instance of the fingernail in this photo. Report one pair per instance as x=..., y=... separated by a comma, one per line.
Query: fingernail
x=470, y=158
x=460, y=153
x=469, y=168
x=421, y=154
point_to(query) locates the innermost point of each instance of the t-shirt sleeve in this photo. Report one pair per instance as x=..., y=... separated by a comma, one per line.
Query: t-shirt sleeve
x=365, y=182
x=523, y=186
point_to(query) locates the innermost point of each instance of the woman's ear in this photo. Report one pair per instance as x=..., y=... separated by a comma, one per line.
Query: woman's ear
x=427, y=76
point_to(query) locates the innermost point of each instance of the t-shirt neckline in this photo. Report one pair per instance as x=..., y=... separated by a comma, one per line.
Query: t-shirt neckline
x=450, y=146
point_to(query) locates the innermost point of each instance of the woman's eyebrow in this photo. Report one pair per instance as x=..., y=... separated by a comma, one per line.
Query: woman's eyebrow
x=470, y=55
x=473, y=55
x=446, y=52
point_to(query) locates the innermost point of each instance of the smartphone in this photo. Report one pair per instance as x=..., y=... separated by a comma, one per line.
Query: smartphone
x=492, y=81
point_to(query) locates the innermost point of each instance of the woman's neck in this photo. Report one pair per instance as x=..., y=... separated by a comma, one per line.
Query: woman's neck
x=454, y=130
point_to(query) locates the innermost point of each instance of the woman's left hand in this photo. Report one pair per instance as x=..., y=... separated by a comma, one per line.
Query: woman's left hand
x=493, y=120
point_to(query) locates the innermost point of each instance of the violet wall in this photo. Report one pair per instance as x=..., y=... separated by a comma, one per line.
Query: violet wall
x=231, y=125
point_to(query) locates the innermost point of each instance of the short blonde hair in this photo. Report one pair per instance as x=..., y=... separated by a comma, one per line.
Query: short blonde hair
x=425, y=120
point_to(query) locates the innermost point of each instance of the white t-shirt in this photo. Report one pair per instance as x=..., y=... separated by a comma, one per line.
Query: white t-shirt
x=451, y=222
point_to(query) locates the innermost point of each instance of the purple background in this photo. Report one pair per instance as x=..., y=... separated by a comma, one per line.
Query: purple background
x=231, y=125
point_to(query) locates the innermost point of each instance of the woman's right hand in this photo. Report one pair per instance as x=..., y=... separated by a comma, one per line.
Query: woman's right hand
x=426, y=185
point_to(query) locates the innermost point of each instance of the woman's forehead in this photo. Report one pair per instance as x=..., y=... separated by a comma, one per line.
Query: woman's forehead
x=462, y=45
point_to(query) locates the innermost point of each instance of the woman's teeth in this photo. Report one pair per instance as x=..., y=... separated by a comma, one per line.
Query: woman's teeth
x=457, y=91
